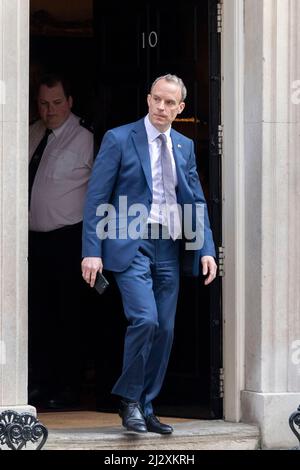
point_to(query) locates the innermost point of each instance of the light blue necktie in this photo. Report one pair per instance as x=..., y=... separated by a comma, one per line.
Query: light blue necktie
x=172, y=211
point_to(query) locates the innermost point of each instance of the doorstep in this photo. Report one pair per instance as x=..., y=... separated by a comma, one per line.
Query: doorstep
x=103, y=431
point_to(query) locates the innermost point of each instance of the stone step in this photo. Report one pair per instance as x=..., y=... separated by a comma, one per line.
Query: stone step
x=188, y=435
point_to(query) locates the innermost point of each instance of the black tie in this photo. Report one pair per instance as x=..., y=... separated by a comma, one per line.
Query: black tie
x=36, y=160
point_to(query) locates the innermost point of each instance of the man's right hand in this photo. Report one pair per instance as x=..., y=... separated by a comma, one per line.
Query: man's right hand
x=89, y=267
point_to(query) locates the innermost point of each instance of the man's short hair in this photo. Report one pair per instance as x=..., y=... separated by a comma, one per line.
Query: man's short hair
x=172, y=78
x=53, y=79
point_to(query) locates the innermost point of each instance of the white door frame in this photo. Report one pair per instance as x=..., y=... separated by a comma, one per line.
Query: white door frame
x=233, y=205
x=14, y=77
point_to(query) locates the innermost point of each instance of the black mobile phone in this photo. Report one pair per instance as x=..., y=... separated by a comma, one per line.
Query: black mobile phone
x=101, y=283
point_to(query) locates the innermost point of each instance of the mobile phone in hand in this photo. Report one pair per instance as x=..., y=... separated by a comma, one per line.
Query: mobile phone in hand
x=101, y=283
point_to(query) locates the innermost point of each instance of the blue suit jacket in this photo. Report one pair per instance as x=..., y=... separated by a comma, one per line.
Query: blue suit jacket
x=122, y=168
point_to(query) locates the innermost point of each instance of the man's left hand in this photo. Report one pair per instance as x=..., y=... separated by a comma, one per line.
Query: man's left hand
x=209, y=269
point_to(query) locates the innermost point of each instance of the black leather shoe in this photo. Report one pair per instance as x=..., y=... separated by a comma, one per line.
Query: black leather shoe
x=154, y=425
x=35, y=397
x=55, y=404
x=132, y=416
x=60, y=402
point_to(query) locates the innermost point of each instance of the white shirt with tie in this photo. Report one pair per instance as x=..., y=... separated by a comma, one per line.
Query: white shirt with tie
x=157, y=213
x=60, y=184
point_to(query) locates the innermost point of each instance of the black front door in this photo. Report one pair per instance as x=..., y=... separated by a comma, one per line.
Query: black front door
x=135, y=43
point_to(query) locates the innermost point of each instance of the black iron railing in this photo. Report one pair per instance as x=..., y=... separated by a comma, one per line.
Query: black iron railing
x=295, y=421
x=19, y=429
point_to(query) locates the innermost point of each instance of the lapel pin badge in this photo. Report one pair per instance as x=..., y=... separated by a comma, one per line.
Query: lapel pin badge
x=179, y=146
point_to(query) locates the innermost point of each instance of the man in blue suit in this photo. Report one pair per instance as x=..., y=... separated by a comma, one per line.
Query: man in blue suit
x=145, y=214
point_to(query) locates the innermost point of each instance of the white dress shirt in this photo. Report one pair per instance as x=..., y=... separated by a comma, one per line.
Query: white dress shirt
x=157, y=212
x=60, y=184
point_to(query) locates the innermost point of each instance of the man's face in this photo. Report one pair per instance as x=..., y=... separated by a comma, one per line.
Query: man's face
x=164, y=103
x=54, y=107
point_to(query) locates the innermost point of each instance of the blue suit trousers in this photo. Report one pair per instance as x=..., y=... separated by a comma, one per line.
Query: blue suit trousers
x=149, y=290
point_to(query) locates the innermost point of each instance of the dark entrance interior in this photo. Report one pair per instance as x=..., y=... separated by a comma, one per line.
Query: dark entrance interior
x=112, y=53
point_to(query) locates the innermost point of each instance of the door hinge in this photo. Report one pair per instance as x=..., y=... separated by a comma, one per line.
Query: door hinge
x=221, y=383
x=220, y=16
x=220, y=140
x=221, y=261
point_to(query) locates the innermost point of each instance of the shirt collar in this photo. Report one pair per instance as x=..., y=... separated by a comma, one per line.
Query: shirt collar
x=152, y=132
x=59, y=130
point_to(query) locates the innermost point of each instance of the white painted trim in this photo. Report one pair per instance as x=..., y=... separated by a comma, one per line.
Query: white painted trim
x=233, y=205
x=14, y=71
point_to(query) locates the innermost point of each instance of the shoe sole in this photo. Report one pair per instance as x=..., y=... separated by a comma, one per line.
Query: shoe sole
x=162, y=433
x=132, y=431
